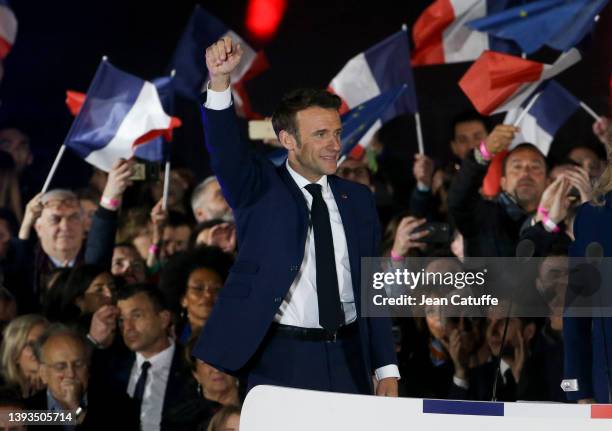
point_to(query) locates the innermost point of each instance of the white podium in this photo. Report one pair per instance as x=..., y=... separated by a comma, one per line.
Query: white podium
x=271, y=408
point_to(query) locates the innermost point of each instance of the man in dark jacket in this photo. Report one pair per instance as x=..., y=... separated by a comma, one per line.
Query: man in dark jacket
x=492, y=227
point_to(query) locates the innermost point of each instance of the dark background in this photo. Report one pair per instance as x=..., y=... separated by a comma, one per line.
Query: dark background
x=60, y=44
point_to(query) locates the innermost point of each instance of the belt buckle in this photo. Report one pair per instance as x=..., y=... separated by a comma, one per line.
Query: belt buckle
x=332, y=337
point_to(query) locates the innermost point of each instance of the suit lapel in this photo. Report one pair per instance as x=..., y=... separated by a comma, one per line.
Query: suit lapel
x=347, y=211
x=300, y=202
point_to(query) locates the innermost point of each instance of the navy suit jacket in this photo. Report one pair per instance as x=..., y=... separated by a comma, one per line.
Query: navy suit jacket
x=272, y=217
x=586, y=338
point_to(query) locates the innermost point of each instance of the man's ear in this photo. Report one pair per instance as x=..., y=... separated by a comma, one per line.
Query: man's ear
x=37, y=226
x=287, y=140
x=166, y=317
x=502, y=183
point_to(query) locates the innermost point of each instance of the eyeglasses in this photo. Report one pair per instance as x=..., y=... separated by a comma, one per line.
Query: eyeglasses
x=60, y=367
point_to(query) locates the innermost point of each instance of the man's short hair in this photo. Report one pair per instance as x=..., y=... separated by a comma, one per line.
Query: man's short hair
x=466, y=117
x=152, y=292
x=198, y=193
x=523, y=146
x=60, y=329
x=298, y=100
x=58, y=195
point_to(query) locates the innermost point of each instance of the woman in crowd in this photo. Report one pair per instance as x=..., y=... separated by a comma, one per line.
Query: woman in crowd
x=192, y=281
x=218, y=390
x=86, y=289
x=227, y=419
x=19, y=366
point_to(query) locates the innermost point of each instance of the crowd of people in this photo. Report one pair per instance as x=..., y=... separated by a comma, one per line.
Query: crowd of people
x=104, y=291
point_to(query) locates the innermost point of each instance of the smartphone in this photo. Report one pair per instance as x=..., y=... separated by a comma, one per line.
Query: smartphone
x=439, y=233
x=144, y=171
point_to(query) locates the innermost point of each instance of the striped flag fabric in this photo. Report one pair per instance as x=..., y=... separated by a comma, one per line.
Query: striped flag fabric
x=381, y=68
x=8, y=28
x=552, y=108
x=499, y=82
x=202, y=30
x=119, y=113
x=441, y=35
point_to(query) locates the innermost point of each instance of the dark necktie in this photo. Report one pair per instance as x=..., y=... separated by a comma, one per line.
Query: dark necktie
x=331, y=316
x=141, y=383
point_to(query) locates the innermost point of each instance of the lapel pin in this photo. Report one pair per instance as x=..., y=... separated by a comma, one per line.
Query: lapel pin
x=344, y=196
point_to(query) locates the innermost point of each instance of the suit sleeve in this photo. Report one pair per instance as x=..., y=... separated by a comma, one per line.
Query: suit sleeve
x=464, y=196
x=382, y=346
x=577, y=335
x=101, y=238
x=236, y=167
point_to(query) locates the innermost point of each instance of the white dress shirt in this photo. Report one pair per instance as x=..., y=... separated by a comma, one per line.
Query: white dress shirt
x=300, y=306
x=155, y=387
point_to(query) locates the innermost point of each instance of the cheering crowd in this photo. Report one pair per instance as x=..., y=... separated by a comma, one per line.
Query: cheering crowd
x=97, y=280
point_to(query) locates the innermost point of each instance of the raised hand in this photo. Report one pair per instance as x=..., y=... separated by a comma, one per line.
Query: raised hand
x=118, y=180
x=32, y=213
x=405, y=239
x=222, y=58
x=554, y=200
x=500, y=138
x=603, y=130
x=103, y=325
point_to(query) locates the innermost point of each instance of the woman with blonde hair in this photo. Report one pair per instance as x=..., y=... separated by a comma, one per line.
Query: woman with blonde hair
x=19, y=366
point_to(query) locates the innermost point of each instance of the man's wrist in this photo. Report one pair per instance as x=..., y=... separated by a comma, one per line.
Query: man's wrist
x=219, y=83
x=110, y=203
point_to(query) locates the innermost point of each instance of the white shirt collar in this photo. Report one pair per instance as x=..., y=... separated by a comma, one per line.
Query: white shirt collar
x=60, y=264
x=303, y=182
x=159, y=360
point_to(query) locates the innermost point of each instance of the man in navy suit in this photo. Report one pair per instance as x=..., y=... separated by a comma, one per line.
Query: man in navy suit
x=289, y=313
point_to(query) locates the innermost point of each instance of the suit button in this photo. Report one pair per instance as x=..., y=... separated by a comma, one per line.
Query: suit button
x=278, y=299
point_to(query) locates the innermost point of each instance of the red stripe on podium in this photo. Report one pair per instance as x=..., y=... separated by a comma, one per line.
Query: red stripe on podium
x=601, y=411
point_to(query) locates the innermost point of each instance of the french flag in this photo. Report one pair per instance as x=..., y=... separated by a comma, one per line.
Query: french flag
x=8, y=29
x=188, y=62
x=119, y=113
x=441, y=36
x=499, y=82
x=551, y=109
x=381, y=68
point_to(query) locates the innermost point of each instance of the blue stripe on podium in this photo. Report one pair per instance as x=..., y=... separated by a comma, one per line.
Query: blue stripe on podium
x=446, y=407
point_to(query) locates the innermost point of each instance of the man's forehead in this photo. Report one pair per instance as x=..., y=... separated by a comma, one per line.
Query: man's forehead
x=317, y=117
x=63, y=346
x=526, y=154
x=62, y=206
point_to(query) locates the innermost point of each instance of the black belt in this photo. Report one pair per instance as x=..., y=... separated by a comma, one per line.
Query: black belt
x=314, y=334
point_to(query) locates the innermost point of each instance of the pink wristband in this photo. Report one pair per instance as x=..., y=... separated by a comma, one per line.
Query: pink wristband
x=550, y=225
x=483, y=150
x=153, y=249
x=110, y=202
x=396, y=257
x=543, y=211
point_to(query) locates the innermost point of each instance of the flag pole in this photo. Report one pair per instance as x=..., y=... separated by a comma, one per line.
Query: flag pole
x=526, y=110
x=417, y=119
x=166, y=186
x=590, y=111
x=51, y=173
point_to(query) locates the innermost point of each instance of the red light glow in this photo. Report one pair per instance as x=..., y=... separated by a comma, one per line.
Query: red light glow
x=264, y=16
